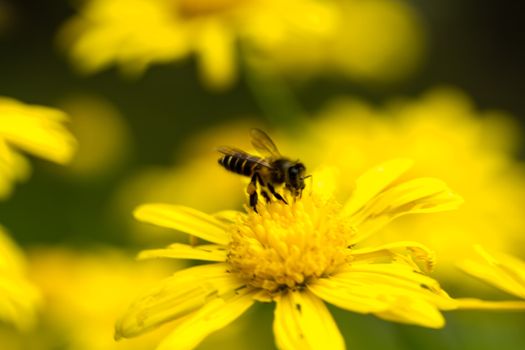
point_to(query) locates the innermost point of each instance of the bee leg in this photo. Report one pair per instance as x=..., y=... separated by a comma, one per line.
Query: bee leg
x=262, y=184
x=266, y=196
x=252, y=192
x=253, y=201
x=275, y=194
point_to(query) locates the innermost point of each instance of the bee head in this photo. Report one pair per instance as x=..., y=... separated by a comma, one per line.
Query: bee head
x=296, y=178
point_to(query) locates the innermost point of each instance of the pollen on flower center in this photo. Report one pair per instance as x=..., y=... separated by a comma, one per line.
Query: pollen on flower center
x=286, y=246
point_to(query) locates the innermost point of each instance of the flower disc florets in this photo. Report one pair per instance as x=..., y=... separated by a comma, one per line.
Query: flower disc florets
x=284, y=246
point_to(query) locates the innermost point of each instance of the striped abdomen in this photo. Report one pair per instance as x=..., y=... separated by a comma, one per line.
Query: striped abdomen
x=239, y=165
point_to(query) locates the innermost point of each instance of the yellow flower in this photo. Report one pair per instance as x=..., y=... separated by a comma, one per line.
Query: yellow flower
x=85, y=292
x=297, y=255
x=373, y=41
x=449, y=138
x=100, y=155
x=503, y=271
x=137, y=33
x=19, y=299
x=380, y=40
x=35, y=129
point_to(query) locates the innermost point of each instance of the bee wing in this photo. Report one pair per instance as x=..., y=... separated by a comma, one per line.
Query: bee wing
x=235, y=152
x=264, y=144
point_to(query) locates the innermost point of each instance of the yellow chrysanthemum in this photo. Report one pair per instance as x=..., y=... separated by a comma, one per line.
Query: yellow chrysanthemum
x=448, y=138
x=34, y=129
x=137, y=33
x=18, y=297
x=297, y=255
x=502, y=271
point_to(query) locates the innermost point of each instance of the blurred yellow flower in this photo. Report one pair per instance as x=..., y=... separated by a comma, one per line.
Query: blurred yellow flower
x=19, y=299
x=379, y=41
x=83, y=294
x=104, y=138
x=40, y=131
x=297, y=255
x=373, y=41
x=448, y=138
x=34, y=129
x=137, y=33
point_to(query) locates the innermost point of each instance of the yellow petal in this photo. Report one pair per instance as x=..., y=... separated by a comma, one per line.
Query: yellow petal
x=106, y=32
x=177, y=296
x=354, y=297
x=302, y=321
x=216, y=314
x=216, y=53
x=184, y=251
x=375, y=180
x=407, y=251
x=184, y=219
x=11, y=257
x=395, y=279
x=390, y=291
x=36, y=129
x=477, y=304
x=414, y=311
x=423, y=195
x=228, y=215
x=500, y=270
x=13, y=168
x=18, y=300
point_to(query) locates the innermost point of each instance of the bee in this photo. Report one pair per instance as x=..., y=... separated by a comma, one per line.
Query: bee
x=268, y=172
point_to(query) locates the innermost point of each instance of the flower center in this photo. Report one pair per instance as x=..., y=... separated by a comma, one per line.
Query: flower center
x=286, y=246
x=194, y=8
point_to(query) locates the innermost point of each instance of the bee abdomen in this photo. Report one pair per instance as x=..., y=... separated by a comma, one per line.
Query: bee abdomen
x=238, y=165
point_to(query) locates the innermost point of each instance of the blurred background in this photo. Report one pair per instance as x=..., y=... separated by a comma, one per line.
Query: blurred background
x=347, y=83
